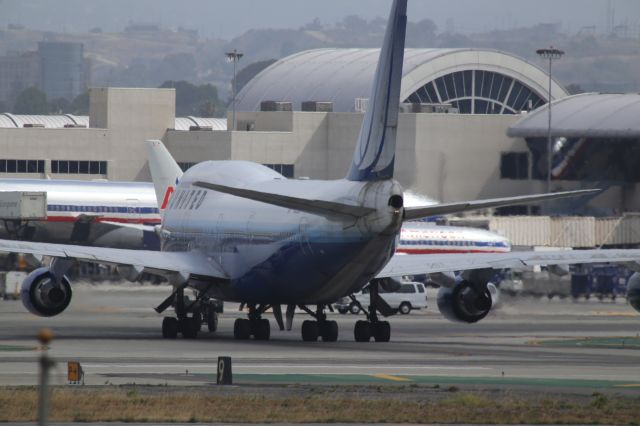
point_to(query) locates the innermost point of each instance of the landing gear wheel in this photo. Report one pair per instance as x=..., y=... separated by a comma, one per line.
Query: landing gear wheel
x=329, y=331
x=197, y=321
x=381, y=331
x=189, y=327
x=404, y=308
x=354, y=308
x=343, y=310
x=241, y=329
x=261, y=329
x=310, y=331
x=362, y=331
x=212, y=321
x=169, y=328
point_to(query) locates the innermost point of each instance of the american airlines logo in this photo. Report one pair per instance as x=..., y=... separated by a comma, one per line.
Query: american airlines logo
x=167, y=195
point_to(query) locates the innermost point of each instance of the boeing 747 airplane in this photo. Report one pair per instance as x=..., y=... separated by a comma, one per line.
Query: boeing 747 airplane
x=239, y=231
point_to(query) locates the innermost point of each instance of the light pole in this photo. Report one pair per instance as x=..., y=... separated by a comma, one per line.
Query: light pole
x=551, y=54
x=235, y=58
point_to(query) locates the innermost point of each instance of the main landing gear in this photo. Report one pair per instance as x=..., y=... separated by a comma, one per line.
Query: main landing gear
x=255, y=325
x=373, y=327
x=190, y=316
x=321, y=327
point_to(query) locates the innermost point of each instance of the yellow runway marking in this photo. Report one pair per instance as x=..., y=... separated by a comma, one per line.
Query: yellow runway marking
x=629, y=385
x=389, y=377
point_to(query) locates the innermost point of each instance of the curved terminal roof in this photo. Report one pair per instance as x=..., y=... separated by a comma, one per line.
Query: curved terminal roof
x=342, y=76
x=184, y=123
x=48, y=121
x=590, y=115
x=8, y=120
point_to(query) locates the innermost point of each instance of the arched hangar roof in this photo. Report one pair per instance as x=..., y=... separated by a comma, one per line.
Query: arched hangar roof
x=8, y=120
x=589, y=115
x=473, y=80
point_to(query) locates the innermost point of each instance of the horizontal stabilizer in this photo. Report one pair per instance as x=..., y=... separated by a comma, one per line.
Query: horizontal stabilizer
x=319, y=207
x=412, y=213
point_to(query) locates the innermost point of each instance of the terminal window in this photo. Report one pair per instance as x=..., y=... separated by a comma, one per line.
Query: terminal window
x=286, y=170
x=75, y=167
x=21, y=166
x=514, y=165
x=478, y=92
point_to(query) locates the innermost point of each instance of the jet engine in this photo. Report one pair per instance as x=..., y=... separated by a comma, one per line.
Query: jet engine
x=466, y=302
x=42, y=295
x=633, y=291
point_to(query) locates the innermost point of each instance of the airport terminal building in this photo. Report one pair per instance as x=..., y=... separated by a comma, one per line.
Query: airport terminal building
x=472, y=127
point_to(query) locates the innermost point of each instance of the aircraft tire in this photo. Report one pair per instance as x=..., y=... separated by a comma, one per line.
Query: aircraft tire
x=169, y=328
x=381, y=331
x=310, y=331
x=189, y=327
x=354, y=308
x=212, y=321
x=329, y=331
x=262, y=329
x=362, y=331
x=241, y=329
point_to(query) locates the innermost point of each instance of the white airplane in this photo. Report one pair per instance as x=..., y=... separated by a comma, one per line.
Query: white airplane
x=86, y=212
x=426, y=238
x=239, y=231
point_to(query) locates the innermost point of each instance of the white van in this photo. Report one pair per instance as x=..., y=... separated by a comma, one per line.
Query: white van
x=411, y=295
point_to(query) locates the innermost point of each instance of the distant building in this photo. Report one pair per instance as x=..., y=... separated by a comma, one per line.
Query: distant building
x=59, y=69
x=63, y=69
x=17, y=72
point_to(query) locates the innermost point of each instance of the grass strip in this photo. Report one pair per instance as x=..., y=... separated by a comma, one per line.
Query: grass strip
x=366, y=379
x=133, y=405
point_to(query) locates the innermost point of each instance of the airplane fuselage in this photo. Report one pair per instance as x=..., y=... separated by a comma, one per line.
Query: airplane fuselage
x=273, y=254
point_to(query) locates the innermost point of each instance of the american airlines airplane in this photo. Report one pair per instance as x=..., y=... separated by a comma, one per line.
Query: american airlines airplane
x=87, y=212
x=239, y=231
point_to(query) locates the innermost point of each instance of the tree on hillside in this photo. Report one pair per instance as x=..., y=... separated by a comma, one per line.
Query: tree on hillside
x=31, y=101
x=59, y=106
x=196, y=100
x=79, y=104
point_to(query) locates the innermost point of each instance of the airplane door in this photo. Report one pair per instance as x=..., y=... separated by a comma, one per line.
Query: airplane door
x=133, y=210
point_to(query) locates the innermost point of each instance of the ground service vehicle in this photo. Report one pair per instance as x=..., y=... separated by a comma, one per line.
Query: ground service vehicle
x=411, y=295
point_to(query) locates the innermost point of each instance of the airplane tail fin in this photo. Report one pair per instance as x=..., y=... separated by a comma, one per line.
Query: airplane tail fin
x=374, y=155
x=165, y=172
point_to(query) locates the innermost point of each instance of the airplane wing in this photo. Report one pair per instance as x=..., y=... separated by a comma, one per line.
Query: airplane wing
x=431, y=263
x=412, y=213
x=320, y=207
x=191, y=263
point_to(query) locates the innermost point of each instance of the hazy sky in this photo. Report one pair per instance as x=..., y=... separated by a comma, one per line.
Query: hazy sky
x=232, y=17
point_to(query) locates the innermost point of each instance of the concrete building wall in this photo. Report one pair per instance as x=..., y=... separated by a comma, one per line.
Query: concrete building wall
x=131, y=117
x=449, y=157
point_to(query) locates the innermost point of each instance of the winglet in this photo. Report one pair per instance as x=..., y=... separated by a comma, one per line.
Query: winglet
x=375, y=152
x=165, y=172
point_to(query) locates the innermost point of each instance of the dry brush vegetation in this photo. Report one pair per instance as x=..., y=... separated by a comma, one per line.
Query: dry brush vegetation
x=136, y=404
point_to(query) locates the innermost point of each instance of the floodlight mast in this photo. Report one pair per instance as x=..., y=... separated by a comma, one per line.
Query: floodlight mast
x=551, y=54
x=234, y=57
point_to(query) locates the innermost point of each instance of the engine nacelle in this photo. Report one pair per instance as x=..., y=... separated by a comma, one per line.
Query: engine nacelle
x=42, y=296
x=633, y=291
x=465, y=302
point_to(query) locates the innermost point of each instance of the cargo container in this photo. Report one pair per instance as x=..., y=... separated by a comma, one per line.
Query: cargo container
x=16, y=205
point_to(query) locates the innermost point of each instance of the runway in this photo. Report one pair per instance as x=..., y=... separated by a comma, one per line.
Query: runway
x=114, y=333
